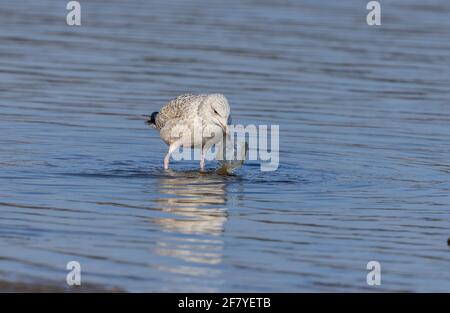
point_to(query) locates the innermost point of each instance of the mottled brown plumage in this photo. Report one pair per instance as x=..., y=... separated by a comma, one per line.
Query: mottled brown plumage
x=175, y=108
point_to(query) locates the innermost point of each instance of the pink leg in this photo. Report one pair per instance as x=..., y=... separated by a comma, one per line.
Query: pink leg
x=202, y=164
x=202, y=160
x=172, y=148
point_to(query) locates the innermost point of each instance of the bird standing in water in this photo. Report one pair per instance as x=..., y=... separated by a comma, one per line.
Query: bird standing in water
x=195, y=121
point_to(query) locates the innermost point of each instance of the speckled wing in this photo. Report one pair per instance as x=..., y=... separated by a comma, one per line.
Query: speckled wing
x=176, y=109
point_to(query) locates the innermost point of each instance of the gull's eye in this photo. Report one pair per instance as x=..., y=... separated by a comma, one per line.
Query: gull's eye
x=215, y=111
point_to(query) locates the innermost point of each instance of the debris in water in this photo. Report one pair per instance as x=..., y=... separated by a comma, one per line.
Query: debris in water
x=230, y=156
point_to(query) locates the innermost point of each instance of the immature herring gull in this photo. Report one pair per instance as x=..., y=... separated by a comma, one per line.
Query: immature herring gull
x=195, y=121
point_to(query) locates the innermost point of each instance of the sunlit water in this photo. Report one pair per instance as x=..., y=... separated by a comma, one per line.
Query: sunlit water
x=364, y=115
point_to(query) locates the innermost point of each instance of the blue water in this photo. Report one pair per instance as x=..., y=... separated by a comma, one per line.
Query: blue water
x=364, y=115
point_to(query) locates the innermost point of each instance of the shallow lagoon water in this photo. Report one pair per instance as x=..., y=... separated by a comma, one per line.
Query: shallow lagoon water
x=364, y=115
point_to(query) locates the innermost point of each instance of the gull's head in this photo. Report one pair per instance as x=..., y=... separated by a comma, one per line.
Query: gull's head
x=217, y=110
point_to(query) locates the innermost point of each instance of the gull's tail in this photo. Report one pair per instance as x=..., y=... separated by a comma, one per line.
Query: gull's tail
x=151, y=119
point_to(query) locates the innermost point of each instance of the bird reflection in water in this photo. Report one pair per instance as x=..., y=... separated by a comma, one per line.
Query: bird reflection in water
x=195, y=205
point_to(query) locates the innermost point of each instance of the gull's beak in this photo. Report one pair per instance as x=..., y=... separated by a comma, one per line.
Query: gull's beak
x=224, y=127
